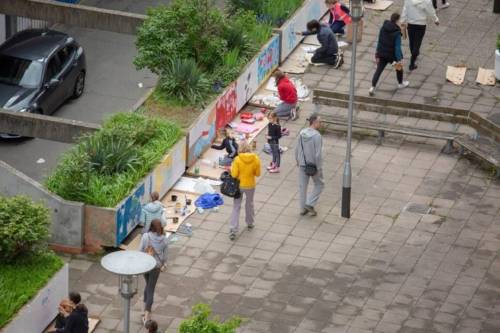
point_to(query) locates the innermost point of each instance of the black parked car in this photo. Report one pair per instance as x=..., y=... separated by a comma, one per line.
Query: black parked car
x=39, y=70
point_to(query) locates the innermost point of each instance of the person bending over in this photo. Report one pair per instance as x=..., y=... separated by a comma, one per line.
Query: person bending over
x=328, y=52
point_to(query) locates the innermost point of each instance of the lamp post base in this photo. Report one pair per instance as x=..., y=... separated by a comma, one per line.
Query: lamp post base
x=346, y=202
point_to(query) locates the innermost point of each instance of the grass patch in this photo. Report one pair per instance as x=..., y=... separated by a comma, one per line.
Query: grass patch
x=21, y=280
x=173, y=110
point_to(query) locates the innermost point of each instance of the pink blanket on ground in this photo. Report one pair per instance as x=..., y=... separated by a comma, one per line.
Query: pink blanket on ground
x=245, y=128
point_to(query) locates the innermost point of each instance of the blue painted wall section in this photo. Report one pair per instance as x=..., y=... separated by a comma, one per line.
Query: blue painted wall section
x=268, y=60
x=128, y=214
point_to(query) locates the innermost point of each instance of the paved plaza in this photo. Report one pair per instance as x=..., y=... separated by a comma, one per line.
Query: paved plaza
x=467, y=35
x=387, y=269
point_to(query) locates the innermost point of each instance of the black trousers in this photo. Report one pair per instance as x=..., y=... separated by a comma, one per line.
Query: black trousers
x=434, y=3
x=323, y=58
x=382, y=62
x=416, y=34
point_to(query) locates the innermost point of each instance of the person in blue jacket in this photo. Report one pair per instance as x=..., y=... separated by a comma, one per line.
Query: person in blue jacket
x=389, y=52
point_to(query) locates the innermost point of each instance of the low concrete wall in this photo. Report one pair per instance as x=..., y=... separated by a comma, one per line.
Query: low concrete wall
x=44, y=127
x=74, y=15
x=42, y=309
x=67, y=216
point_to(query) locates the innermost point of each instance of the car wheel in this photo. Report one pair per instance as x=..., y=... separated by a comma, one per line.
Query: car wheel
x=79, y=85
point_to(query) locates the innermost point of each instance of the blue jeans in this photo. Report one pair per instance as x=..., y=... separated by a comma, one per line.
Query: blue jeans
x=338, y=27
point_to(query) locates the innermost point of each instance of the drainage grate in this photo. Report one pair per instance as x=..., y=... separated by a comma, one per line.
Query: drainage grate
x=417, y=208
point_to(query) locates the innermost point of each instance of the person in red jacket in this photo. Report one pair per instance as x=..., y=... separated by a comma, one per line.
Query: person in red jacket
x=288, y=95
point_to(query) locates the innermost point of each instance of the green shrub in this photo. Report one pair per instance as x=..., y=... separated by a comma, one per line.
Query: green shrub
x=250, y=5
x=105, y=175
x=183, y=80
x=277, y=11
x=23, y=227
x=185, y=29
x=200, y=322
x=21, y=279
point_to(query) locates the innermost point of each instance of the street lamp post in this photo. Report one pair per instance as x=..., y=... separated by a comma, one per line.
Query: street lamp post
x=356, y=15
x=128, y=265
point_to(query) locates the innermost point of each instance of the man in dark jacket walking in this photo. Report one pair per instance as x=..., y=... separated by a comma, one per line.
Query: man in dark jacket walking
x=389, y=52
x=328, y=52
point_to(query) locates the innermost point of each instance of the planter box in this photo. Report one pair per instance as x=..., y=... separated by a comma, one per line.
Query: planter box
x=35, y=316
x=110, y=226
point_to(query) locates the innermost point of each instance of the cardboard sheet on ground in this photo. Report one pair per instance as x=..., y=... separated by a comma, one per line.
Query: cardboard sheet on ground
x=93, y=322
x=298, y=61
x=267, y=95
x=207, y=159
x=378, y=5
x=486, y=77
x=455, y=74
x=169, y=214
x=196, y=185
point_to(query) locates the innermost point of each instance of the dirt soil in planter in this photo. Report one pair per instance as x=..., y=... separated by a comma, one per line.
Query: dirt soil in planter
x=183, y=115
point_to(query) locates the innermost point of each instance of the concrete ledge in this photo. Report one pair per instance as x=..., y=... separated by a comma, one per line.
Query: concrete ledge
x=44, y=127
x=74, y=15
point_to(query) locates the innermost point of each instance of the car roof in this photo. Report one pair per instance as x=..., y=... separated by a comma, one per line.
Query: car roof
x=33, y=44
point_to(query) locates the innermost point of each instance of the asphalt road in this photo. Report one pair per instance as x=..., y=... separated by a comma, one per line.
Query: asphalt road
x=112, y=85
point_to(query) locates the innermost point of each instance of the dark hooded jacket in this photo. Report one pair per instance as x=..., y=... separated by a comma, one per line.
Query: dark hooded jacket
x=77, y=321
x=327, y=40
x=389, y=42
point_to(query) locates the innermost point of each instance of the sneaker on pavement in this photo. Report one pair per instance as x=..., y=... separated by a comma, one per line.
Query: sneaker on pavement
x=270, y=166
x=274, y=170
x=446, y=5
x=339, y=60
x=403, y=85
x=303, y=212
x=371, y=92
x=294, y=114
x=232, y=235
x=250, y=226
x=311, y=210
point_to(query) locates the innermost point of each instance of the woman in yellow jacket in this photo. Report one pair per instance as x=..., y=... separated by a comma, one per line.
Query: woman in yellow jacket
x=245, y=167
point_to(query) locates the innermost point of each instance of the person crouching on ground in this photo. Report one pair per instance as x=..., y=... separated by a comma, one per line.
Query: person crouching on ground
x=308, y=153
x=389, y=52
x=229, y=144
x=245, y=168
x=77, y=321
x=152, y=210
x=339, y=16
x=287, y=93
x=155, y=244
x=328, y=52
x=273, y=137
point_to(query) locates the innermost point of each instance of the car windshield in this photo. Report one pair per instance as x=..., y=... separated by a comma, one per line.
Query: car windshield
x=20, y=72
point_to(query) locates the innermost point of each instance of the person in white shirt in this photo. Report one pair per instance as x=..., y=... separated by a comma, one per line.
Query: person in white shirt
x=414, y=17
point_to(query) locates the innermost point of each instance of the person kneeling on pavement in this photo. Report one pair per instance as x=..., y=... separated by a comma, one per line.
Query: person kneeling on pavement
x=328, y=52
x=287, y=93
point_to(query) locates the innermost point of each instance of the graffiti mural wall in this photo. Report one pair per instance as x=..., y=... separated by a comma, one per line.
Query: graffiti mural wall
x=161, y=179
x=268, y=59
x=225, y=108
x=312, y=9
x=201, y=134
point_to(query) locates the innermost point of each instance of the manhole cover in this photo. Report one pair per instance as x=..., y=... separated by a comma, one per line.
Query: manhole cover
x=417, y=208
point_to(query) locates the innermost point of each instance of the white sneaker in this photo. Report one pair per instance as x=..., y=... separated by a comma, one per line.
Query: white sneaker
x=403, y=85
x=371, y=92
x=445, y=5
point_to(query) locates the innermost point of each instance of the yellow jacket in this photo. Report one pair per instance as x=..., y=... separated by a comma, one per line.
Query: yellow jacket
x=245, y=167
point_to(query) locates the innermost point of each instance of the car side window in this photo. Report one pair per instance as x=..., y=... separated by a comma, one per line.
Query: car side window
x=66, y=54
x=53, y=68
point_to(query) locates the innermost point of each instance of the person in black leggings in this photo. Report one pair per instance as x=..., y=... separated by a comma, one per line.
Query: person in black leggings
x=389, y=52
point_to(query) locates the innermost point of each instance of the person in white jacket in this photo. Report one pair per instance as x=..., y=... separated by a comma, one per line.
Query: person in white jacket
x=414, y=16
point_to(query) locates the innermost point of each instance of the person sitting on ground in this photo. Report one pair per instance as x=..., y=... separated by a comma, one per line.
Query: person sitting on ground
x=77, y=321
x=65, y=308
x=328, y=52
x=229, y=144
x=339, y=16
x=151, y=211
x=287, y=93
x=389, y=52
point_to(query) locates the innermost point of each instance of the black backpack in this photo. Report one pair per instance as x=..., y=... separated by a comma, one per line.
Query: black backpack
x=230, y=186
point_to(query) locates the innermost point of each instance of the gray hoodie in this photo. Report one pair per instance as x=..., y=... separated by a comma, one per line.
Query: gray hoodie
x=150, y=211
x=159, y=244
x=313, y=145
